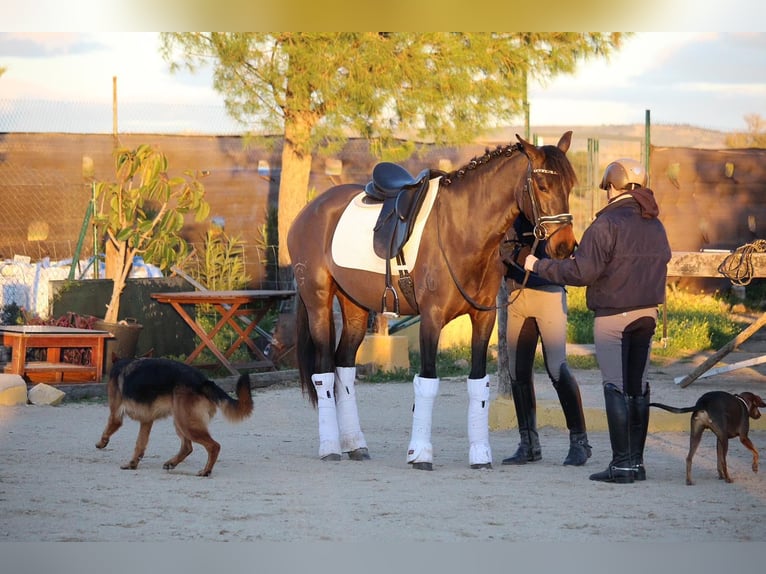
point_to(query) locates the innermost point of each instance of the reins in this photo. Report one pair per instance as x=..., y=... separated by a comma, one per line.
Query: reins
x=540, y=233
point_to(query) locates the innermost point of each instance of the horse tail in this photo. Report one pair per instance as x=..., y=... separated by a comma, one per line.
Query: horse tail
x=305, y=351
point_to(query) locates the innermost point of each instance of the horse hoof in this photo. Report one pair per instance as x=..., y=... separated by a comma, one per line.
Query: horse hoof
x=422, y=465
x=482, y=466
x=359, y=454
x=331, y=456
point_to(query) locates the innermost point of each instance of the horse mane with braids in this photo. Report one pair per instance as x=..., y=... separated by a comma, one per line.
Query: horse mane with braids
x=555, y=159
x=489, y=154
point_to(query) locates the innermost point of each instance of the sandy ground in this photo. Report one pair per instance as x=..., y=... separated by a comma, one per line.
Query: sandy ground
x=269, y=485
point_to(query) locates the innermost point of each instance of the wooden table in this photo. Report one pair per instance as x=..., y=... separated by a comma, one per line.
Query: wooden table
x=22, y=337
x=241, y=310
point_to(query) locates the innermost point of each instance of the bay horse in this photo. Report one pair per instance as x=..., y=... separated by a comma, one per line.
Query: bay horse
x=457, y=271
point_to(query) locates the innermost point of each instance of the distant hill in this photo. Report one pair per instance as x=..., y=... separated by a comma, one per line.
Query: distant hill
x=661, y=135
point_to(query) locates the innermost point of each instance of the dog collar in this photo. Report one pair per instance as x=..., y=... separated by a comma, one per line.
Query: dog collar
x=744, y=402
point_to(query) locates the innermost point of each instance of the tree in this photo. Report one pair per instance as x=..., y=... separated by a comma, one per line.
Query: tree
x=318, y=88
x=755, y=136
x=142, y=213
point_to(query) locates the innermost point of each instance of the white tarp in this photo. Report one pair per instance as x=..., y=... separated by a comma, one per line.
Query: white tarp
x=26, y=283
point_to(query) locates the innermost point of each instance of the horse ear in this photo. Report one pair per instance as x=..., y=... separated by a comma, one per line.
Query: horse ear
x=565, y=141
x=529, y=150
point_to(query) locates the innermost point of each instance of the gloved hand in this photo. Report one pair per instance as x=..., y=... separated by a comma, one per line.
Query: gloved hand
x=529, y=262
x=507, y=252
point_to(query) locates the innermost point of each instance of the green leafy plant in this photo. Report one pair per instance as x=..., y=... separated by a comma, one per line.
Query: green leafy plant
x=221, y=266
x=142, y=213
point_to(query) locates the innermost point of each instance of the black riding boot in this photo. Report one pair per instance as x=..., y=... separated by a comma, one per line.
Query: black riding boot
x=618, y=419
x=524, y=402
x=639, y=424
x=571, y=403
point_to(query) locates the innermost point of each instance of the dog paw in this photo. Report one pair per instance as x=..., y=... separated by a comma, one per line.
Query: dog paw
x=204, y=472
x=102, y=443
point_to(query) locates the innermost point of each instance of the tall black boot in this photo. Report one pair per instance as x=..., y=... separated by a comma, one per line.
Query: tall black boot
x=571, y=403
x=524, y=401
x=639, y=424
x=618, y=420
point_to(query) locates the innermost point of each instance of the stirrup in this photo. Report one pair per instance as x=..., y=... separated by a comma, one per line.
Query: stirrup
x=384, y=308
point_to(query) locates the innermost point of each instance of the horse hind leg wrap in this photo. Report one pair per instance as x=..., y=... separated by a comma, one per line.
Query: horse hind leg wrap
x=329, y=435
x=420, y=449
x=480, y=452
x=351, y=435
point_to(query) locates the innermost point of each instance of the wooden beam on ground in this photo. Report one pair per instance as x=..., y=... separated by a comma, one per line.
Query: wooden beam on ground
x=728, y=368
x=723, y=351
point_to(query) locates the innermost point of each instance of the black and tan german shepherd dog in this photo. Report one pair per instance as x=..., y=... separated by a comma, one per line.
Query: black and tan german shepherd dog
x=148, y=389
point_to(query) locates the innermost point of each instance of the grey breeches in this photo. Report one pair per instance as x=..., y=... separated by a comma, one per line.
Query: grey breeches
x=623, y=347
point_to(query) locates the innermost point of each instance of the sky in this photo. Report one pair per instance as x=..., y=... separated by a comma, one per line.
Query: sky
x=705, y=79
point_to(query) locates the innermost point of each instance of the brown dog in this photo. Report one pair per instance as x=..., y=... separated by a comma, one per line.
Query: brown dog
x=727, y=415
x=149, y=389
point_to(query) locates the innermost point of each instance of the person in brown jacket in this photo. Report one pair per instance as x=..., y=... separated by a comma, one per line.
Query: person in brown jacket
x=622, y=259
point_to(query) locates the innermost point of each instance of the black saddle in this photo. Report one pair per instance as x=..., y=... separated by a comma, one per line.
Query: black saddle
x=402, y=196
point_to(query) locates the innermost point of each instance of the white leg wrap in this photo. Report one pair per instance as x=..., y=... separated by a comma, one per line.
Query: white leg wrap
x=478, y=421
x=420, y=449
x=351, y=435
x=329, y=437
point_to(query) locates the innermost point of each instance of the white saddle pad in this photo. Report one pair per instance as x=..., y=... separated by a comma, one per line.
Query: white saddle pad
x=352, y=241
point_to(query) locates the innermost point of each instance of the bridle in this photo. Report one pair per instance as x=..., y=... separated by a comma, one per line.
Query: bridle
x=540, y=221
x=540, y=232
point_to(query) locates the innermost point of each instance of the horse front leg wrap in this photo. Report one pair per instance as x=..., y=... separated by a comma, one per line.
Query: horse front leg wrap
x=351, y=435
x=478, y=422
x=420, y=449
x=329, y=436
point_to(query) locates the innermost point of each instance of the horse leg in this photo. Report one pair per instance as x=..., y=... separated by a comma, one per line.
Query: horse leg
x=352, y=438
x=318, y=301
x=420, y=453
x=479, y=453
x=329, y=435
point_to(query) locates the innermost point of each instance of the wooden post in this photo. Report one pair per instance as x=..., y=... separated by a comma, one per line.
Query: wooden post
x=503, y=365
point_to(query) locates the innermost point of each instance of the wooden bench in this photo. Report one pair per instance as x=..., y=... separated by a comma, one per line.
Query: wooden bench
x=19, y=338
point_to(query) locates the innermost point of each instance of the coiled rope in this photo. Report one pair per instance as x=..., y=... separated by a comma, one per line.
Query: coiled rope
x=738, y=267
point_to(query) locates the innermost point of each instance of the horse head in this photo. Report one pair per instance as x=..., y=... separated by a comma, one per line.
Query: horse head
x=545, y=201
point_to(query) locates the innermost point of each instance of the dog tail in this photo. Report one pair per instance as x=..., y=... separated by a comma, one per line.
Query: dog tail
x=674, y=409
x=233, y=409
